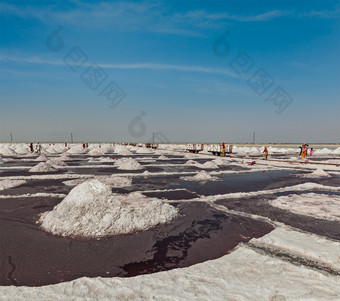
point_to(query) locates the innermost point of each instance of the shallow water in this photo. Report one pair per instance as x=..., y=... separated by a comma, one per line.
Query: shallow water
x=32, y=257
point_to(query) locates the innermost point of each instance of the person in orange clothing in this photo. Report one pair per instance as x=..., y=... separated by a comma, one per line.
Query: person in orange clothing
x=223, y=149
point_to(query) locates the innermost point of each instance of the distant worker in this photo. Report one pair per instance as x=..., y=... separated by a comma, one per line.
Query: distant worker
x=223, y=149
x=31, y=148
x=39, y=148
x=265, y=153
x=304, y=151
x=300, y=147
x=311, y=152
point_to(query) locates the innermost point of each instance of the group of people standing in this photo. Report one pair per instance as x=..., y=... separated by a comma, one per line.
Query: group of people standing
x=224, y=149
x=304, y=150
x=38, y=148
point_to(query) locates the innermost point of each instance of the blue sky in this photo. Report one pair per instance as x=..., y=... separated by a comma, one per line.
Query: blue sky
x=191, y=70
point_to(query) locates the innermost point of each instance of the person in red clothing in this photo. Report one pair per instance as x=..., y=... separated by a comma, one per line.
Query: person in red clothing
x=265, y=153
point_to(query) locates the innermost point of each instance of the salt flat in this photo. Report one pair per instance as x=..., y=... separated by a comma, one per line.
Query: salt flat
x=165, y=224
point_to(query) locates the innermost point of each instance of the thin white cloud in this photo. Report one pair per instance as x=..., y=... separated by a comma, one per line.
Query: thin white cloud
x=132, y=66
x=322, y=14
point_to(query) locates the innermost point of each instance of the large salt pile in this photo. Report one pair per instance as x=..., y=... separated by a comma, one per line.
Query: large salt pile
x=128, y=164
x=43, y=167
x=202, y=176
x=91, y=210
x=6, y=184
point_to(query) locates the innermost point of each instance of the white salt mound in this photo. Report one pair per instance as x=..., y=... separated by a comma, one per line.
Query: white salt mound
x=128, y=164
x=162, y=157
x=76, y=151
x=41, y=158
x=95, y=152
x=6, y=184
x=108, y=150
x=318, y=173
x=6, y=151
x=202, y=176
x=57, y=162
x=143, y=151
x=22, y=150
x=124, y=152
x=220, y=161
x=43, y=167
x=208, y=165
x=65, y=156
x=91, y=210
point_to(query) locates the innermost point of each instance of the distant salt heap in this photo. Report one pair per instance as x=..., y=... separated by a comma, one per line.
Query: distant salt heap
x=6, y=184
x=41, y=158
x=202, y=176
x=122, y=150
x=125, y=152
x=76, y=150
x=91, y=210
x=65, y=157
x=57, y=162
x=319, y=173
x=108, y=150
x=206, y=165
x=43, y=167
x=143, y=151
x=22, y=150
x=7, y=151
x=162, y=157
x=220, y=161
x=128, y=164
x=95, y=152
